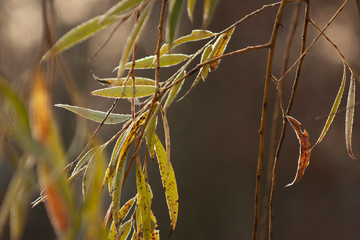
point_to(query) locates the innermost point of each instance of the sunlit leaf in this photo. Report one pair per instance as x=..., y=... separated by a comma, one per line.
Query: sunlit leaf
x=95, y=115
x=121, y=81
x=167, y=136
x=175, y=90
x=333, y=109
x=205, y=57
x=305, y=150
x=123, y=231
x=209, y=8
x=166, y=60
x=349, y=118
x=195, y=35
x=168, y=182
x=196, y=81
x=132, y=38
x=173, y=19
x=144, y=201
x=155, y=235
x=125, y=91
x=119, y=8
x=219, y=47
x=150, y=135
x=190, y=9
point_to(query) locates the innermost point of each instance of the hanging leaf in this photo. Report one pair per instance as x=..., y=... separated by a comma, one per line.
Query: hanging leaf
x=125, y=91
x=123, y=231
x=144, y=201
x=205, y=57
x=334, y=108
x=305, y=150
x=349, y=118
x=219, y=47
x=175, y=90
x=96, y=116
x=190, y=9
x=168, y=182
x=167, y=137
x=209, y=8
x=173, y=19
x=150, y=135
x=195, y=35
x=131, y=40
x=166, y=60
x=121, y=81
x=119, y=8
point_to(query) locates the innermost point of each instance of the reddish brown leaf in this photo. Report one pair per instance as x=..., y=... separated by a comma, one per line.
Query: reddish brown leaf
x=305, y=149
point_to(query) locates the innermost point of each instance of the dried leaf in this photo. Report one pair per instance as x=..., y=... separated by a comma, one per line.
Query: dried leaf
x=334, y=108
x=305, y=150
x=95, y=115
x=125, y=91
x=349, y=117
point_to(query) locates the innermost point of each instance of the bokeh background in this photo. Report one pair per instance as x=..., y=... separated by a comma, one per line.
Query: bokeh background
x=214, y=130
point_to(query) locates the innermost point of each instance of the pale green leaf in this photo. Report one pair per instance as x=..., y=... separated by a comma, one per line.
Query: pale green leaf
x=205, y=57
x=334, y=108
x=121, y=81
x=166, y=60
x=96, y=116
x=132, y=38
x=119, y=8
x=209, y=9
x=78, y=35
x=349, y=118
x=195, y=35
x=175, y=90
x=173, y=20
x=126, y=91
x=144, y=200
x=190, y=9
x=168, y=182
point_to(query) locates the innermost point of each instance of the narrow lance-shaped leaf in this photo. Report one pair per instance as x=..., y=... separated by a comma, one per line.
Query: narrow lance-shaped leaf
x=150, y=135
x=166, y=60
x=131, y=40
x=175, y=90
x=190, y=9
x=305, y=150
x=144, y=201
x=125, y=91
x=219, y=47
x=349, y=118
x=121, y=81
x=119, y=8
x=167, y=137
x=204, y=57
x=123, y=231
x=168, y=182
x=333, y=109
x=209, y=8
x=173, y=19
x=95, y=115
x=195, y=35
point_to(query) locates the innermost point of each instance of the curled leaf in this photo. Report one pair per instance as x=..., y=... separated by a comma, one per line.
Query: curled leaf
x=349, y=117
x=305, y=150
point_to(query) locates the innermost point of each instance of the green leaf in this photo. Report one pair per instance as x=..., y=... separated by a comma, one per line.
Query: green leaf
x=126, y=91
x=121, y=81
x=96, y=116
x=131, y=40
x=166, y=60
x=209, y=8
x=144, y=200
x=190, y=9
x=334, y=108
x=173, y=20
x=119, y=8
x=78, y=35
x=349, y=118
x=205, y=57
x=195, y=35
x=168, y=182
x=175, y=90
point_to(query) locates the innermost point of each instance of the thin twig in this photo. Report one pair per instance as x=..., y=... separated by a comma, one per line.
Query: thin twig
x=263, y=115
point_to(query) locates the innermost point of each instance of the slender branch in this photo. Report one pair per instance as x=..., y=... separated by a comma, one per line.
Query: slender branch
x=282, y=136
x=263, y=115
x=275, y=120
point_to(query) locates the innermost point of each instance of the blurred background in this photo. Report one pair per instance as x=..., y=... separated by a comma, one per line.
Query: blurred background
x=214, y=130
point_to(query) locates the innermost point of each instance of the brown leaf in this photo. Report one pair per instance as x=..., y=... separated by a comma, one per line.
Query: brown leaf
x=305, y=149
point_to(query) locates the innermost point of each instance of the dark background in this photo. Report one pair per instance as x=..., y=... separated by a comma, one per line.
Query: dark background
x=214, y=130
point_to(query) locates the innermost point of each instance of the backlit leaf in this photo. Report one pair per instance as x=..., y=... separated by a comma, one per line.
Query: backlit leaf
x=143, y=200
x=305, y=150
x=349, y=118
x=219, y=47
x=195, y=35
x=123, y=231
x=205, y=57
x=119, y=8
x=334, y=108
x=190, y=9
x=175, y=8
x=150, y=135
x=120, y=81
x=95, y=115
x=175, y=90
x=209, y=8
x=166, y=60
x=168, y=182
x=125, y=91
x=132, y=38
